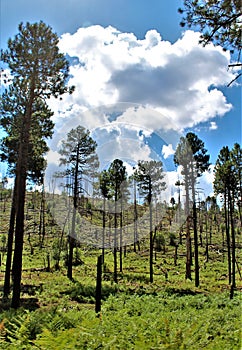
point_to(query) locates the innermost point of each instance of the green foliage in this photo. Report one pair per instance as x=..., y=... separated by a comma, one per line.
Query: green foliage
x=163, y=321
x=117, y=176
x=191, y=155
x=104, y=180
x=159, y=242
x=78, y=153
x=168, y=314
x=219, y=21
x=38, y=71
x=228, y=170
x=173, y=239
x=149, y=176
x=33, y=53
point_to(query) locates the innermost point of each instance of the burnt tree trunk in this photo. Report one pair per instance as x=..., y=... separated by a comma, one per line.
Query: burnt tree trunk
x=21, y=177
x=7, y=278
x=188, y=237
x=99, y=285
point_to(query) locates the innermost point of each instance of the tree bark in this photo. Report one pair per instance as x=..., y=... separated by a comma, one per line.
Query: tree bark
x=115, y=236
x=195, y=245
x=103, y=233
x=21, y=177
x=195, y=231
x=151, y=233
x=121, y=241
x=73, y=224
x=231, y=207
x=19, y=238
x=135, y=217
x=227, y=234
x=99, y=285
x=188, y=237
x=6, y=287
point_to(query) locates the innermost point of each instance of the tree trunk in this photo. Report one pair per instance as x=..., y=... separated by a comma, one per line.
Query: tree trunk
x=19, y=239
x=70, y=258
x=195, y=245
x=121, y=241
x=48, y=262
x=6, y=287
x=135, y=217
x=21, y=177
x=201, y=235
x=103, y=233
x=223, y=242
x=194, y=209
x=188, y=237
x=115, y=237
x=175, y=255
x=73, y=224
x=99, y=285
x=231, y=210
x=42, y=217
x=151, y=241
x=226, y=214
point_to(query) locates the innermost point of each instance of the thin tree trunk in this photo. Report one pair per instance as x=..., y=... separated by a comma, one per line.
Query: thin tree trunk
x=73, y=224
x=195, y=245
x=226, y=214
x=223, y=242
x=188, y=237
x=233, y=285
x=135, y=217
x=115, y=237
x=43, y=214
x=99, y=285
x=175, y=255
x=151, y=235
x=6, y=287
x=70, y=258
x=201, y=235
x=207, y=255
x=195, y=231
x=121, y=241
x=103, y=233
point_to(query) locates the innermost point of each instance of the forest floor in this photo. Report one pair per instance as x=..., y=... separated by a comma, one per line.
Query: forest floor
x=170, y=313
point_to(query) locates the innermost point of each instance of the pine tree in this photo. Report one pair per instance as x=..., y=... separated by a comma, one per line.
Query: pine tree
x=117, y=176
x=219, y=22
x=104, y=186
x=149, y=176
x=78, y=154
x=227, y=183
x=38, y=72
x=193, y=158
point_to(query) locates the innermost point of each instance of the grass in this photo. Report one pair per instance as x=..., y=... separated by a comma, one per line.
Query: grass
x=170, y=313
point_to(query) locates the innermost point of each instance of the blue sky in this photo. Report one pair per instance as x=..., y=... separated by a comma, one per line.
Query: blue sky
x=67, y=16
x=215, y=117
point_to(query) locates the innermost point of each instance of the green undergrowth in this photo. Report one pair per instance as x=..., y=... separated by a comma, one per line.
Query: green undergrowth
x=170, y=313
x=167, y=320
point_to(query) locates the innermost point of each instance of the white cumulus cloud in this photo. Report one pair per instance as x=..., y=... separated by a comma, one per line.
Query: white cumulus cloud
x=180, y=80
x=167, y=150
x=162, y=87
x=213, y=126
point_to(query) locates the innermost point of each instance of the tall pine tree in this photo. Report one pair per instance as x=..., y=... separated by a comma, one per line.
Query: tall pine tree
x=78, y=154
x=38, y=72
x=149, y=176
x=192, y=156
